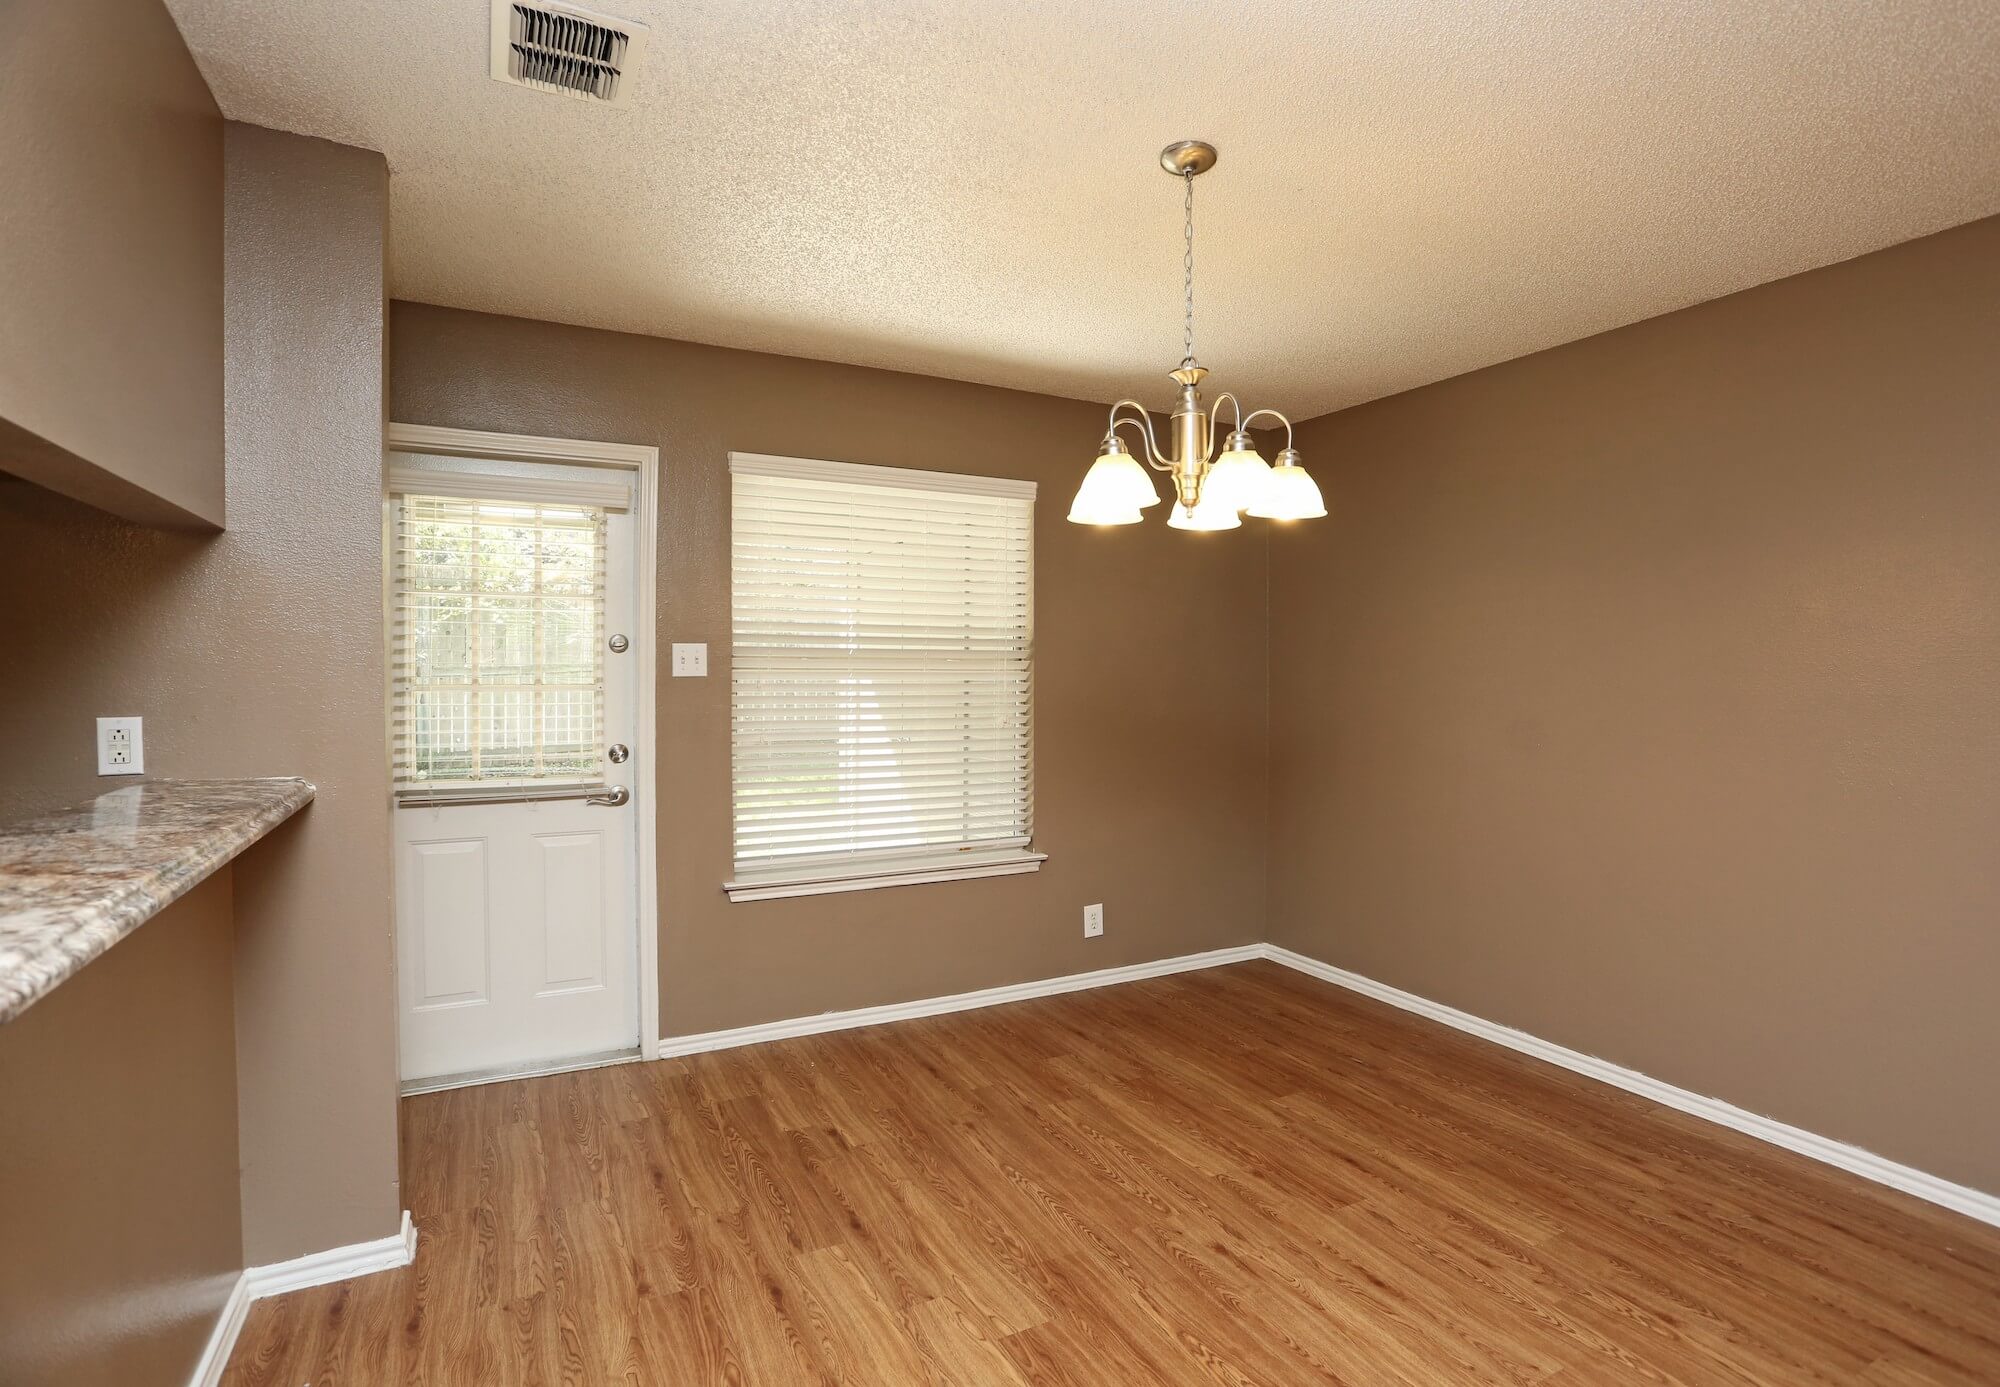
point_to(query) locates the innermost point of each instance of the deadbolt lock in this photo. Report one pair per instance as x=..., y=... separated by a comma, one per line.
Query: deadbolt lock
x=618, y=753
x=619, y=645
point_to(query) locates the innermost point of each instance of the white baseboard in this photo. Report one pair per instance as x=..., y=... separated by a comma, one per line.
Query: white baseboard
x=1883, y=1171
x=222, y=1339
x=336, y=1264
x=399, y=1249
x=673, y=1045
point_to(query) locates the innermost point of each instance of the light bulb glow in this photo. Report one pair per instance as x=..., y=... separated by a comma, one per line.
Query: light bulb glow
x=1109, y=495
x=1289, y=493
x=1131, y=477
x=1237, y=479
x=1209, y=513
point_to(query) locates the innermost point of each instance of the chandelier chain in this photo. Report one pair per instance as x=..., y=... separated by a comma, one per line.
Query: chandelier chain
x=1187, y=267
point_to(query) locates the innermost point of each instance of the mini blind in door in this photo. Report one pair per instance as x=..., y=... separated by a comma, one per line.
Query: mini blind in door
x=880, y=677
x=497, y=618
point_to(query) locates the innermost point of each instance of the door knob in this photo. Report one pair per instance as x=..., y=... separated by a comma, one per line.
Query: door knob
x=611, y=798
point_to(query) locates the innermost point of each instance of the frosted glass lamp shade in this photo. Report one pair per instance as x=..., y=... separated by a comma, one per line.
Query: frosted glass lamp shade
x=1106, y=497
x=1289, y=493
x=1209, y=513
x=1114, y=489
x=1094, y=506
x=1238, y=476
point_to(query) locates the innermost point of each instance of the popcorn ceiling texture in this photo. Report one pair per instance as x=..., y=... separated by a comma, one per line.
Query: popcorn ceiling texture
x=969, y=190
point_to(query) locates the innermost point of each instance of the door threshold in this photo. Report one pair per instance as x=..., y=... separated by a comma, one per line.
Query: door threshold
x=533, y=1069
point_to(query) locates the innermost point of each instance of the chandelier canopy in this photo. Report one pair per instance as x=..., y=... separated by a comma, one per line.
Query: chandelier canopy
x=1210, y=492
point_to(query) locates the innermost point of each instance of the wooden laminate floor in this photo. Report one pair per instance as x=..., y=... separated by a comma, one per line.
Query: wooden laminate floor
x=1241, y=1176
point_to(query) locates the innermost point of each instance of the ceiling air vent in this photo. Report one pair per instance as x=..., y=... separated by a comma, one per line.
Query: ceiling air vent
x=562, y=48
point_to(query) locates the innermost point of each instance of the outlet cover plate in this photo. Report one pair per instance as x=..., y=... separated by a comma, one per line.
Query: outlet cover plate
x=1093, y=921
x=690, y=660
x=121, y=746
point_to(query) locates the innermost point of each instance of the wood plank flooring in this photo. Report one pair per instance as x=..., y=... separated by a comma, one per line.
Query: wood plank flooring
x=1242, y=1176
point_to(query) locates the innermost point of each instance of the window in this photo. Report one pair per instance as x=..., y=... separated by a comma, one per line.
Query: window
x=880, y=676
x=497, y=611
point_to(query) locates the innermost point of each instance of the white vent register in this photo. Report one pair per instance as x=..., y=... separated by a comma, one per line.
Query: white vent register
x=566, y=49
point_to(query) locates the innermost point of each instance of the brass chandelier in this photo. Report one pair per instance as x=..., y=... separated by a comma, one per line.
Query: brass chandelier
x=1208, y=494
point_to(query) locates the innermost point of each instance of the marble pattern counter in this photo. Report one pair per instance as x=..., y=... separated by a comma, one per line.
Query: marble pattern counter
x=74, y=883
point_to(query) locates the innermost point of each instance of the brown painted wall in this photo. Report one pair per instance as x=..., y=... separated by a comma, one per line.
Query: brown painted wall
x=1149, y=671
x=307, y=240
x=256, y=652
x=118, y=1188
x=110, y=261
x=1645, y=694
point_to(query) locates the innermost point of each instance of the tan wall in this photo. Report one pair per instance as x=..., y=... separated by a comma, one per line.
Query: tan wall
x=1645, y=694
x=1149, y=671
x=256, y=652
x=118, y=1189
x=110, y=261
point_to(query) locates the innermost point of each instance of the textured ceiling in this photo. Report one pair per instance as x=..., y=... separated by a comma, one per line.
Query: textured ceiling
x=1407, y=190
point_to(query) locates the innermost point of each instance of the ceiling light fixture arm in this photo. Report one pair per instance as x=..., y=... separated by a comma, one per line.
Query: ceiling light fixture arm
x=1256, y=414
x=1143, y=421
x=1235, y=405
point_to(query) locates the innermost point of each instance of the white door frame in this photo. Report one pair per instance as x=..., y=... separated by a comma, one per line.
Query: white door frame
x=643, y=463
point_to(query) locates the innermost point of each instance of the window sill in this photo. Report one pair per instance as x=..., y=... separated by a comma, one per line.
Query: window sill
x=962, y=867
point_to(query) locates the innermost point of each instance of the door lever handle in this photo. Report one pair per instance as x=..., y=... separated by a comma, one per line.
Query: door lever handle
x=611, y=798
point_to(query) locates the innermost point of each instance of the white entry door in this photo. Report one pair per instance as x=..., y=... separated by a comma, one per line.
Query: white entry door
x=512, y=705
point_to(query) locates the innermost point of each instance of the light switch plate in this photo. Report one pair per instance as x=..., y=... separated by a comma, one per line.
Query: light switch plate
x=690, y=660
x=121, y=746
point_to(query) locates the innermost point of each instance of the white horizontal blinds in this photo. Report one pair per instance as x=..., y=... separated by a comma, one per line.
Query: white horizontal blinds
x=880, y=676
x=497, y=611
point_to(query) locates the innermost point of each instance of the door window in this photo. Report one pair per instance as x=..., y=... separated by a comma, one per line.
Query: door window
x=497, y=641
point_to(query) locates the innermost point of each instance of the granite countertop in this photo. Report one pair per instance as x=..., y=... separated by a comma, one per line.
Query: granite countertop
x=74, y=883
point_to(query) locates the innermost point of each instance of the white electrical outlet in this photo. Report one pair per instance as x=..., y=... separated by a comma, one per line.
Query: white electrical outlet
x=1093, y=921
x=690, y=660
x=121, y=746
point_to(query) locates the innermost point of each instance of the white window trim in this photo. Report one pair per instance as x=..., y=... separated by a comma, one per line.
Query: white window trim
x=925, y=865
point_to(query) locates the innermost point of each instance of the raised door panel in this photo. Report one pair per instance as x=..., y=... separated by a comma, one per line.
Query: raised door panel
x=572, y=911
x=446, y=884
